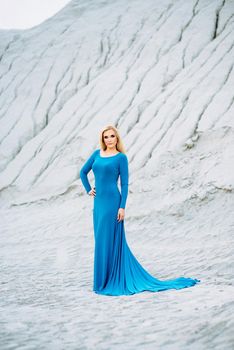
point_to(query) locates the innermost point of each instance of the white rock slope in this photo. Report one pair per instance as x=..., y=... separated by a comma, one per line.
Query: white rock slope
x=161, y=71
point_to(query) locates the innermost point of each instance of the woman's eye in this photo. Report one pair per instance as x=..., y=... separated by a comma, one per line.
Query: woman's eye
x=106, y=137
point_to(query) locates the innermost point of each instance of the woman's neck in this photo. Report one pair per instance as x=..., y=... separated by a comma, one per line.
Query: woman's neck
x=110, y=151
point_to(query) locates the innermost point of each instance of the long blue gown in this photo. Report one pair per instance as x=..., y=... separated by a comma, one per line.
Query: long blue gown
x=116, y=270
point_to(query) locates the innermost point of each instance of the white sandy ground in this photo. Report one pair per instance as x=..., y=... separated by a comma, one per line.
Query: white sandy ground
x=47, y=269
x=46, y=254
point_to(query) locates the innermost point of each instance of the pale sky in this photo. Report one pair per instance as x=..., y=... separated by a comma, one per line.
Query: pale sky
x=23, y=14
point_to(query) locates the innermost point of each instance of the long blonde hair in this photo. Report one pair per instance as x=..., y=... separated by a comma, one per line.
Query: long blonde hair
x=119, y=145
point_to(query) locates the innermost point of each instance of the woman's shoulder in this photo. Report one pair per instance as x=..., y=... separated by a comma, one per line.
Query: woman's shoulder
x=93, y=154
x=96, y=151
x=123, y=157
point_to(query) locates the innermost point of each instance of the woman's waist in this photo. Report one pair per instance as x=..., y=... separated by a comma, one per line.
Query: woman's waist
x=106, y=191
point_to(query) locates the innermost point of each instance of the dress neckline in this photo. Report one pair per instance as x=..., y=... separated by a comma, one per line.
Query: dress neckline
x=108, y=156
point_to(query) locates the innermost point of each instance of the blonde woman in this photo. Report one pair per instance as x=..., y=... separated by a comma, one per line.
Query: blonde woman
x=116, y=270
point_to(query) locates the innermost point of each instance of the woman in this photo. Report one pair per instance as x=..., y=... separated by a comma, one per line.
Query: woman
x=116, y=270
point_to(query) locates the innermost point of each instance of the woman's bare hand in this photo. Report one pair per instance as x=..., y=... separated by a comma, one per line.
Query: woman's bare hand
x=121, y=213
x=92, y=192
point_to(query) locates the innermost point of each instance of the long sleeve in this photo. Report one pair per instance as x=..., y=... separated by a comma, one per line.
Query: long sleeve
x=124, y=180
x=85, y=170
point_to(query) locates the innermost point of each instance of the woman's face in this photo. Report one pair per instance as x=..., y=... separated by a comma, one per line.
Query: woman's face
x=110, y=138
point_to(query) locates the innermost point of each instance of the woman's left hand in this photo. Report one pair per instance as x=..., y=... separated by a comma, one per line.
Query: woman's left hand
x=121, y=213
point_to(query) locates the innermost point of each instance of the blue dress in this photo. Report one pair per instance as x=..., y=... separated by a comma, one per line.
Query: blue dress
x=116, y=270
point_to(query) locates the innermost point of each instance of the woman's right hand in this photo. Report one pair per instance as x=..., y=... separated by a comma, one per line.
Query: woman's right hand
x=92, y=192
